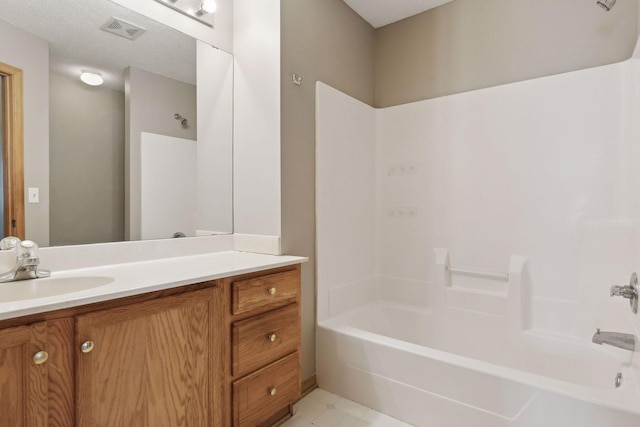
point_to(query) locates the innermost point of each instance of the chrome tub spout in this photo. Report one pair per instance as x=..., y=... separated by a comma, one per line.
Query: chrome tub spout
x=616, y=339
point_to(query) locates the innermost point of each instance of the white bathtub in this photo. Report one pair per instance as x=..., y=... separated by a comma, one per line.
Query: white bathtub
x=458, y=368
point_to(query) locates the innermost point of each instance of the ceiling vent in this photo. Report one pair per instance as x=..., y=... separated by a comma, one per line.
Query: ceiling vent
x=123, y=28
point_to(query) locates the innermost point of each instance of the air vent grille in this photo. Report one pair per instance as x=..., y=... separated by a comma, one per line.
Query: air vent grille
x=123, y=28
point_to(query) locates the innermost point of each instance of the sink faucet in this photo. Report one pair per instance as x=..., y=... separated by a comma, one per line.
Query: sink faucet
x=27, y=260
x=616, y=339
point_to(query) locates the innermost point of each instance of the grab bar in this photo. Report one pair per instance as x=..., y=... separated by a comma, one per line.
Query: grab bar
x=481, y=273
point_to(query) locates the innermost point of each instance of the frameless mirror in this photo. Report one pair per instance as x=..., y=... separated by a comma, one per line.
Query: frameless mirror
x=145, y=155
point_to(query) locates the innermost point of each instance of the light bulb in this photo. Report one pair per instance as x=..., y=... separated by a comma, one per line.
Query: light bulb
x=209, y=6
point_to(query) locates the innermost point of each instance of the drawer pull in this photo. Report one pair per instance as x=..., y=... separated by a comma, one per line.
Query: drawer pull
x=272, y=392
x=272, y=337
x=87, y=346
x=272, y=291
x=40, y=357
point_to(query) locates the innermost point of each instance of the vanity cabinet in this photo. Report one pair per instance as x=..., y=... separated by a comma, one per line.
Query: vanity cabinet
x=23, y=376
x=214, y=354
x=150, y=364
x=265, y=346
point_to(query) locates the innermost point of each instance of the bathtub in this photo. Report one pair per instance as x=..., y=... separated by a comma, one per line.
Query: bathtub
x=454, y=368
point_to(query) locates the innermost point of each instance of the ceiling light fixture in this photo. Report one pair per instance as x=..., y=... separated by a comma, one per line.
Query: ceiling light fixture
x=91, y=78
x=200, y=10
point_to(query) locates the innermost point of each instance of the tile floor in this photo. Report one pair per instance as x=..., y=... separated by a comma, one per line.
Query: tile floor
x=323, y=409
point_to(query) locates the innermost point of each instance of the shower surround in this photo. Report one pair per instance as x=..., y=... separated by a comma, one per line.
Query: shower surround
x=533, y=183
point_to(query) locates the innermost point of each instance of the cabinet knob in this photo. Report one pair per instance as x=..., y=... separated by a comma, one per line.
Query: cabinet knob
x=272, y=337
x=40, y=357
x=272, y=291
x=87, y=346
x=272, y=392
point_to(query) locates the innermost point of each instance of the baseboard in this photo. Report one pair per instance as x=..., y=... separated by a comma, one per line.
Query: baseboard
x=308, y=386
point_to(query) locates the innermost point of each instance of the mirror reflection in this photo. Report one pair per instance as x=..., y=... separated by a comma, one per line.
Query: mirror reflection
x=144, y=155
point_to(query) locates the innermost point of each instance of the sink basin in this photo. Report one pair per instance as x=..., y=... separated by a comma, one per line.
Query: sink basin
x=41, y=288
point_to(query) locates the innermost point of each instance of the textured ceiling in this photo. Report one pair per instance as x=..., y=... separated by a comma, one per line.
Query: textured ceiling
x=383, y=12
x=76, y=41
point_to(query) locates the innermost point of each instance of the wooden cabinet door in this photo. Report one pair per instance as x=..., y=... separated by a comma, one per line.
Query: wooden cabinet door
x=156, y=363
x=23, y=382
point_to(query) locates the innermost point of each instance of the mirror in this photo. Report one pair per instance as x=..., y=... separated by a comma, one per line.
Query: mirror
x=146, y=155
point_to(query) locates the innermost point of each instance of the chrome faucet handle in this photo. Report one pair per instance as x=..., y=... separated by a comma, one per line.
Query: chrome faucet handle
x=28, y=256
x=27, y=249
x=629, y=292
x=9, y=243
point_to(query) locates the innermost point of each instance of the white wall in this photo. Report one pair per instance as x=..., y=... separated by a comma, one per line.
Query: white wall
x=215, y=139
x=542, y=168
x=256, y=163
x=31, y=55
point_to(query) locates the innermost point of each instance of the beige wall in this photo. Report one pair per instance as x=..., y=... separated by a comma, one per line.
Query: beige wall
x=470, y=44
x=87, y=163
x=31, y=55
x=322, y=40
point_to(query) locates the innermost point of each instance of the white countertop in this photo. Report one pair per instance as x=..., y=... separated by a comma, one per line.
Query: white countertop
x=142, y=277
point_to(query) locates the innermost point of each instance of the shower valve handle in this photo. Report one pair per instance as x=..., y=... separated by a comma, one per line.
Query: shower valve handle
x=622, y=291
x=629, y=292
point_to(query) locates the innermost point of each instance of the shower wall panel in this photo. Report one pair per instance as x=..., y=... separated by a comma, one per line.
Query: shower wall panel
x=345, y=192
x=541, y=168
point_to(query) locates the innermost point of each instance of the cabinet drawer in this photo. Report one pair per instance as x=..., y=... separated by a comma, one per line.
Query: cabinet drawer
x=260, y=395
x=265, y=292
x=261, y=339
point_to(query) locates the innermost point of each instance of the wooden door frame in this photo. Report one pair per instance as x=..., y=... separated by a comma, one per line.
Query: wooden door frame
x=13, y=151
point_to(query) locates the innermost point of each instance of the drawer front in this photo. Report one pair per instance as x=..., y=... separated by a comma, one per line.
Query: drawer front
x=261, y=339
x=260, y=395
x=265, y=292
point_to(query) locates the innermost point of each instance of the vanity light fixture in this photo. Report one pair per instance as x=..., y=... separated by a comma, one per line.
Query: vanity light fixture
x=207, y=6
x=91, y=78
x=200, y=10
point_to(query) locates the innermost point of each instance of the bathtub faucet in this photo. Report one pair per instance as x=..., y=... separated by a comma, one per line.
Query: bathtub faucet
x=616, y=339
